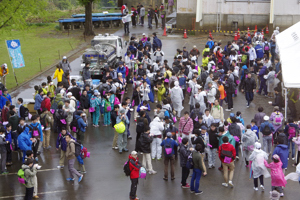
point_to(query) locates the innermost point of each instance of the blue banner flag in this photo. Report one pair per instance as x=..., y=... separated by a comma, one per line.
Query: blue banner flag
x=14, y=49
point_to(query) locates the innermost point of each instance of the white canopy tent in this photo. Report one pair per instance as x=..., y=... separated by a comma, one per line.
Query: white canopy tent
x=288, y=43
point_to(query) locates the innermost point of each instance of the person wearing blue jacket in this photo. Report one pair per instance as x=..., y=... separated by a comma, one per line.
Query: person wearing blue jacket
x=8, y=137
x=167, y=143
x=156, y=42
x=121, y=69
x=267, y=137
x=210, y=43
x=62, y=144
x=81, y=126
x=4, y=97
x=259, y=50
x=25, y=142
x=36, y=126
x=282, y=151
x=38, y=101
x=263, y=85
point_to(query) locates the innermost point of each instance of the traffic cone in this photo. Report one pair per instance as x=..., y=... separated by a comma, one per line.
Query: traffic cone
x=267, y=30
x=255, y=29
x=235, y=36
x=249, y=32
x=165, y=32
x=184, y=35
x=210, y=35
x=262, y=33
x=238, y=34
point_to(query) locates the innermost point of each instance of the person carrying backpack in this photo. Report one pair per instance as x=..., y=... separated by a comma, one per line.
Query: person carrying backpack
x=81, y=126
x=30, y=171
x=60, y=118
x=70, y=154
x=184, y=154
x=276, y=118
x=134, y=169
x=37, y=133
x=291, y=130
x=169, y=145
x=62, y=144
x=46, y=122
x=267, y=130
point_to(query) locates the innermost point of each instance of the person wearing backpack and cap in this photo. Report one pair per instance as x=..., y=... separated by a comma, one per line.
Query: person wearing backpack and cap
x=134, y=167
x=30, y=171
x=267, y=129
x=70, y=154
x=276, y=118
x=169, y=145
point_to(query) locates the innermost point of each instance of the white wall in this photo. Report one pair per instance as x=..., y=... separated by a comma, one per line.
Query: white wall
x=210, y=7
x=186, y=6
x=286, y=7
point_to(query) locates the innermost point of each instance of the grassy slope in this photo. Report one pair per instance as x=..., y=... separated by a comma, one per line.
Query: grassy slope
x=36, y=42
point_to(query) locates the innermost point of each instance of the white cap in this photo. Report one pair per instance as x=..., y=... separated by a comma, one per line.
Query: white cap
x=257, y=145
x=65, y=57
x=133, y=153
x=194, y=46
x=4, y=65
x=69, y=94
x=176, y=83
x=144, y=33
x=198, y=86
x=266, y=118
x=120, y=74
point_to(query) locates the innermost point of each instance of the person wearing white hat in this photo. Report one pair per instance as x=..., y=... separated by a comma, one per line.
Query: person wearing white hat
x=177, y=98
x=95, y=103
x=73, y=101
x=200, y=98
x=3, y=73
x=144, y=39
x=267, y=129
x=259, y=169
x=65, y=65
x=69, y=110
x=134, y=167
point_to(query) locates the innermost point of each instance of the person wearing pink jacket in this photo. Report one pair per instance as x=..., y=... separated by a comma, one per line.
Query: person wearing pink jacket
x=277, y=176
x=186, y=127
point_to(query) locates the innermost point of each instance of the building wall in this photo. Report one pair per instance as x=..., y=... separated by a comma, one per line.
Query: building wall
x=186, y=6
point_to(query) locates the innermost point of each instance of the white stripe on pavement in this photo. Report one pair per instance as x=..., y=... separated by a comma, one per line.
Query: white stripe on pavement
x=21, y=195
x=39, y=170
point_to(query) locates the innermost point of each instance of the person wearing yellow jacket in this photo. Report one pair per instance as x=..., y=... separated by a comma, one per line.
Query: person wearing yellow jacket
x=161, y=90
x=3, y=73
x=207, y=49
x=58, y=74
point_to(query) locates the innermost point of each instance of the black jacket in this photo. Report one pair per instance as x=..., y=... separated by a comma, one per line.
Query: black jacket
x=213, y=139
x=234, y=130
x=75, y=92
x=278, y=101
x=226, y=65
x=84, y=102
x=199, y=140
x=141, y=72
x=20, y=129
x=22, y=111
x=229, y=86
x=184, y=154
x=136, y=97
x=113, y=115
x=249, y=85
x=65, y=81
x=145, y=142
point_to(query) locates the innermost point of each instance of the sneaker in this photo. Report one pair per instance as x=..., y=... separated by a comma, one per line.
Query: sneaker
x=294, y=165
x=37, y=159
x=185, y=186
x=70, y=179
x=213, y=166
x=49, y=147
x=83, y=172
x=225, y=184
x=116, y=148
x=126, y=150
x=237, y=157
x=281, y=194
x=228, y=110
x=165, y=179
x=248, y=106
x=255, y=188
x=60, y=167
x=36, y=197
x=288, y=158
x=153, y=158
x=129, y=137
x=230, y=183
x=198, y=193
x=192, y=191
x=152, y=172
x=158, y=158
x=141, y=153
x=80, y=178
x=209, y=167
x=120, y=151
x=293, y=158
x=220, y=168
x=262, y=187
x=38, y=166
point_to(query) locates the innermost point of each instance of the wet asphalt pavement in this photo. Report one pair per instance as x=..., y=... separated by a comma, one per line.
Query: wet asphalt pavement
x=105, y=179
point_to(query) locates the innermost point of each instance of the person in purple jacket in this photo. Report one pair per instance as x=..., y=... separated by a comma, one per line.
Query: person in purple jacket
x=62, y=144
x=263, y=85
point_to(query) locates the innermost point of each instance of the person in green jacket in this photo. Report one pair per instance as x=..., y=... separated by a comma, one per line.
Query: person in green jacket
x=30, y=171
x=207, y=49
x=222, y=133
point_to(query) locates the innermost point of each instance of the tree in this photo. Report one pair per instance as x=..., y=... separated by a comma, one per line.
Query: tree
x=13, y=12
x=88, y=25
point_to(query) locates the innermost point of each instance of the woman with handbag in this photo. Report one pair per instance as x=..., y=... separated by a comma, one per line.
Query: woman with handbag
x=248, y=139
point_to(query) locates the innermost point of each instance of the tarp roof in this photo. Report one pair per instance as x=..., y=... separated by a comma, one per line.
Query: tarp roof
x=288, y=43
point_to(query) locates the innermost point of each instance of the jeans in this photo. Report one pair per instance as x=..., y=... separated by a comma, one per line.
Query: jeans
x=184, y=175
x=267, y=143
x=263, y=86
x=149, y=22
x=122, y=141
x=71, y=168
x=249, y=97
x=278, y=188
x=29, y=194
x=226, y=167
x=237, y=146
x=212, y=154
x=142, y=20
x=293, y=147
x=133, y=188
x=14, y=136
x=3, y=161
x=195, y=181
x=126, y=27
x=138, y=135
x=261, y=180
x=166, y=163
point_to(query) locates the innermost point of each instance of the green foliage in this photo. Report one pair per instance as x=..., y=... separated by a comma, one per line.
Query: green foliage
x=13, y=13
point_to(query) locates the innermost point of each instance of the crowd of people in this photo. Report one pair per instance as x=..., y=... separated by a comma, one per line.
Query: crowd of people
x=200, y=134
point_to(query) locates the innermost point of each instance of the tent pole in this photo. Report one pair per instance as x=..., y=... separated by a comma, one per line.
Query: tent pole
x=285, y=103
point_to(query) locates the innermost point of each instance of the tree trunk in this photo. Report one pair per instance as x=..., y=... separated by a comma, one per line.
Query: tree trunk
x=88, y=25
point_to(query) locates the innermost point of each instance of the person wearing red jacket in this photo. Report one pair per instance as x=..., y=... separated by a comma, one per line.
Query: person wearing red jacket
x=227, y=155
x=134, y=167
x=46, y=103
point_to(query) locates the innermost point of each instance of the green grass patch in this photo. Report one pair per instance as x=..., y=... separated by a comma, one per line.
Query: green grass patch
x=37, y=41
